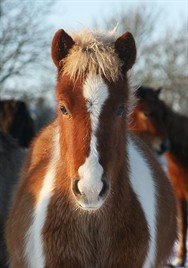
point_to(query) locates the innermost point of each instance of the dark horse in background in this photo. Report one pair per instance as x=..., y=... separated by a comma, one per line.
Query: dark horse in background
x=160, y=126
x=11, y=158
x=16, y=132
x=16, y=121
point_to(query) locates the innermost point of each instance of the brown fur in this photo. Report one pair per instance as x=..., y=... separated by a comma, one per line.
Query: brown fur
x=93, y=52
x=29, y=184
x=162, y=123
x=116, y=235
x=164, y=190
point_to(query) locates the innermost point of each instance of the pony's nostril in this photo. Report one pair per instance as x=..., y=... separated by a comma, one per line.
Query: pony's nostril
x=75, y=188
x=104, y=189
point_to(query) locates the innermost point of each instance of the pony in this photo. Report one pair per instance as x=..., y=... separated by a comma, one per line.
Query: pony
x=16, y=121
x=146, y=117
x=151, y=116
x=91, y=194
x=11, y=158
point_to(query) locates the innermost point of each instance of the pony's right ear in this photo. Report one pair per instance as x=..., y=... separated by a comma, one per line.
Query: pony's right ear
x=126, y=49
x=61, y=44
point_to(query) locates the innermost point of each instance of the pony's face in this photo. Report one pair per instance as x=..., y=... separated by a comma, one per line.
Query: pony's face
x=147, y=119
x=92, y=122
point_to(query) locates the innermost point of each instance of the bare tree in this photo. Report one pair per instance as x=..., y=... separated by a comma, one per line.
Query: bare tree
x=166, y=65
x=140, y=21
x=24, y=42
x=162, y=60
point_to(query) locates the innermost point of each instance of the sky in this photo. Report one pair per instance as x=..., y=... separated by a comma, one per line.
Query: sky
x=72, y=15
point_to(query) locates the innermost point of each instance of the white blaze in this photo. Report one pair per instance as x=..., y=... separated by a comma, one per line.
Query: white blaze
x=96, y=93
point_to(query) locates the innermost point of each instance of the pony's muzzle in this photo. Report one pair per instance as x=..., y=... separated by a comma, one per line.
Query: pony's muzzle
x=90, y=197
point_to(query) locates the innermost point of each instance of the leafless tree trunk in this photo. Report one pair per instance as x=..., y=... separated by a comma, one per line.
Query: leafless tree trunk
x=24, y=42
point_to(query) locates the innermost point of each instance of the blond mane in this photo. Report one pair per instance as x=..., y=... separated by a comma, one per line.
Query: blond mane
x=93, y=52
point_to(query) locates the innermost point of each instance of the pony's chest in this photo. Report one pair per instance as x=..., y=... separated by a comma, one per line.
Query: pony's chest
x=66, y=237
x=76, y=241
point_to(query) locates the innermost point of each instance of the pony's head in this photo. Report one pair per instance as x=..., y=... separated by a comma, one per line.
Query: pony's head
x=15, y=120
x=147, y=117
x=92, y=94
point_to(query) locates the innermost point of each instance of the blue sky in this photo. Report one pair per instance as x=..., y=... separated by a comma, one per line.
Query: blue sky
x=76, y=14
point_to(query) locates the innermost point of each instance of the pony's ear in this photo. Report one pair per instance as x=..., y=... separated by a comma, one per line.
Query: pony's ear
x=158, y=91
x=126, y=49
x=61, y=44
x=140, y=93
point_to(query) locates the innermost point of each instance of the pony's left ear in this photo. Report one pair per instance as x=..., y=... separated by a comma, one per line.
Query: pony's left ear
x=126, y=49
x=61, y=44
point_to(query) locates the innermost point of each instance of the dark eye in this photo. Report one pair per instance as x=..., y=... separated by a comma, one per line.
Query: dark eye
x=64, y=110
x=120, y=110
x=147, y=114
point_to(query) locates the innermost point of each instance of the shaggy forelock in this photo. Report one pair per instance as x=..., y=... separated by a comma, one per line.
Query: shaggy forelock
x=93, y=52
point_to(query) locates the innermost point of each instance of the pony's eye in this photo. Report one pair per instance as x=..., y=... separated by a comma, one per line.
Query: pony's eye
x=120, y=110
x=64, y=110
x=147, y=114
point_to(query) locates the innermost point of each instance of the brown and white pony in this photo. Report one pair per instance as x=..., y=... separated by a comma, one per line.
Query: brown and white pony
x=16, y=121
x=11, y=158
x=91, y=194
x=152, y=118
